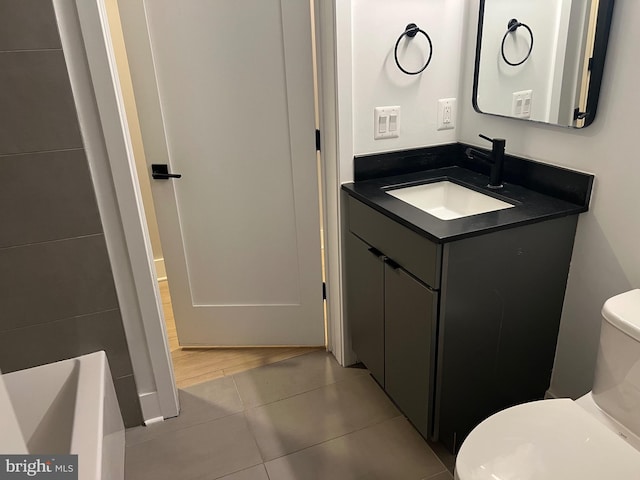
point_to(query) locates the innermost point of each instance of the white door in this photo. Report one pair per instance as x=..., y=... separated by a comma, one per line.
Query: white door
x=240, y=230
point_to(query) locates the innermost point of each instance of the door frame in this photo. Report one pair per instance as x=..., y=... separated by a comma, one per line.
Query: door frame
x=93, y=23
x=90, y=58
x=335, y=84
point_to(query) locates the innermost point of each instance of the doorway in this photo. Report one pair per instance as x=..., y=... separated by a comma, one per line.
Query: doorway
x=201, y=365
x=196, y=365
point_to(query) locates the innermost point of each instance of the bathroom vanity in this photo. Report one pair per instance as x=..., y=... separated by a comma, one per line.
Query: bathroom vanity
x=457, y=319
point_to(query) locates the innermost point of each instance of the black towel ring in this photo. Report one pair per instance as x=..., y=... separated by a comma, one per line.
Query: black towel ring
x=411, y=31
x=511, y=28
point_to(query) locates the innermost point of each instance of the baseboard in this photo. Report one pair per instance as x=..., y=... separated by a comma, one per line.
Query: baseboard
x=160, y=270
x=150, y=406
x=549, y=395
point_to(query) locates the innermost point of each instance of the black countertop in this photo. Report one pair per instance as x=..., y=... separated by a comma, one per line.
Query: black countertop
x=530, y=206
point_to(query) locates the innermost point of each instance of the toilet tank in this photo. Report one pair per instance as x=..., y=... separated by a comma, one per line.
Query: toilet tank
x=616, y=387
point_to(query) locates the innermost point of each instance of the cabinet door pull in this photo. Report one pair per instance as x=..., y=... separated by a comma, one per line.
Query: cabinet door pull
x=376, y=252
x=391, y=263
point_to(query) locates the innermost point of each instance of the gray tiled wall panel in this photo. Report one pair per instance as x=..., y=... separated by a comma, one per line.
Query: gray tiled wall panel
x=44, y=282
x=36, y=104
x=49, y=342
x=128, y=400
x=57, y=297
x=28, y=25
x=46, y=196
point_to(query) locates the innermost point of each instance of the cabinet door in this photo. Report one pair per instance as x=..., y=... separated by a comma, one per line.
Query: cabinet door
x=365, y=304
x=410, y=321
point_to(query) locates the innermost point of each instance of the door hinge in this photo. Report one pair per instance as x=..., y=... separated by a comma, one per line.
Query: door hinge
x=578, y=115
x=590, y=66
x=324, y=290
x=317, y=140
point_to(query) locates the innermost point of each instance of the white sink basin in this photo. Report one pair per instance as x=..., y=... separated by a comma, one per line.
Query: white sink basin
x=447, y=200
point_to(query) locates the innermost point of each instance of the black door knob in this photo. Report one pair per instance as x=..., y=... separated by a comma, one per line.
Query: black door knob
x=160, y=171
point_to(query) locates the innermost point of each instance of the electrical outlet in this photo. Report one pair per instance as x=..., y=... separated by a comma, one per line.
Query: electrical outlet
x=446, y=114
x=386, y=122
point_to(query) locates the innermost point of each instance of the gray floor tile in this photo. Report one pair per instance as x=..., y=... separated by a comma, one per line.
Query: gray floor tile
x=296, y=375
x=313, y=417
x=254, y=473
x=389, y=450
x=362, y=433
x=204, y=451
x=198, y=404
x=445, y=456
x=440, y=476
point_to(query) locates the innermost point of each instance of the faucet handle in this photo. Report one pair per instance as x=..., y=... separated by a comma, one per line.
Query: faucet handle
x=496, y=142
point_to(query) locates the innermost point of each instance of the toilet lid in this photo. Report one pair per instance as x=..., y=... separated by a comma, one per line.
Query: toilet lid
x=545, y=440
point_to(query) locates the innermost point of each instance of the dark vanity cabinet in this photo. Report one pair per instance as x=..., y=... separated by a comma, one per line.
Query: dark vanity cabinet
x=365, y=277
x=454, y=331
x=410, y=314
x=392, y=308
x=393, y=328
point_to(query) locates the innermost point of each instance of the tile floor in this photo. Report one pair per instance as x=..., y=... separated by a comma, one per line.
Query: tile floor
x=303, y=418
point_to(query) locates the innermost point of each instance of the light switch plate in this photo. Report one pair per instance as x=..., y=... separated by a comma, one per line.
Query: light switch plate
x=386, y=122
x=446, y=114
x=521, y=104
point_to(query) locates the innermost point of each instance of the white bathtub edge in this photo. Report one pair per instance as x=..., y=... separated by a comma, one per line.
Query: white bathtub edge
x=97, y=434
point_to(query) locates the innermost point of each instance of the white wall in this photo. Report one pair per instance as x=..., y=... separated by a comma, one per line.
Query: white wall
x=377, y=81
x=606, y=258
x=365, y=33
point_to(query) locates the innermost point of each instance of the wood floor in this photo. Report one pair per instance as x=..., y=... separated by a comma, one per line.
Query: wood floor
x=196, y=365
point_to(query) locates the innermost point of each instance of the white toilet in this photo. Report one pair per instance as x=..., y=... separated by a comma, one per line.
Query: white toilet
x=596, y=437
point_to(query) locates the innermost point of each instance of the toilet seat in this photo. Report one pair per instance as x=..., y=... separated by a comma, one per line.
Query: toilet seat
x=545, y=440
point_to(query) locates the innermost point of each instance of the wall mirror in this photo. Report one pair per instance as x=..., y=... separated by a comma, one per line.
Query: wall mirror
x=541, y=60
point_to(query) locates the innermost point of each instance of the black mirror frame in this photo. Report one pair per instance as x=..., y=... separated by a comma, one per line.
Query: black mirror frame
x=601, y=41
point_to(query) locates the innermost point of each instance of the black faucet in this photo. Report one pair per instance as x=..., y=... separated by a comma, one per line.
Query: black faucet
x=495, y=158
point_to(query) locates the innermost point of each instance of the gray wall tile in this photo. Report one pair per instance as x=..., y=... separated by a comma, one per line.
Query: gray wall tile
x=56, y=286
x=46, y=196
x=28, y=25
x=128, y=400
x=38, y=112
x=49, y=342
x=43, y=282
